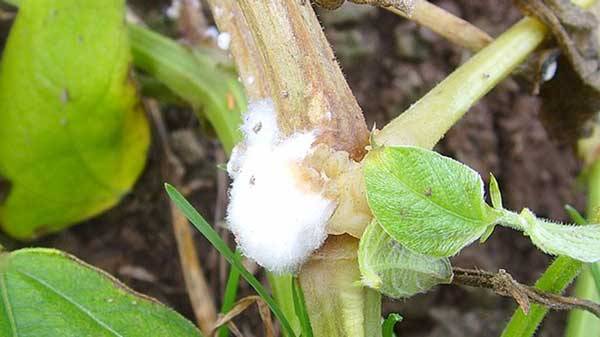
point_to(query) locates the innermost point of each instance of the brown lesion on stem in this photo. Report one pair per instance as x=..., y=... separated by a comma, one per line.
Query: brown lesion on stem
x=229, y=18
x=503, y=284
x=290, y=55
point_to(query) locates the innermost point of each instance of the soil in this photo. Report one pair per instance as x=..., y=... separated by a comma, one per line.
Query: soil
x=389, y=63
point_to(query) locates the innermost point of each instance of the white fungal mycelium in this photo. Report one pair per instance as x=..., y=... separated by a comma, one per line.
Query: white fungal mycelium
x=277, y=212
x=224, y=40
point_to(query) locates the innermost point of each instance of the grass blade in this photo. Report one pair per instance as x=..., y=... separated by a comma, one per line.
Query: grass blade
x=575, y=215
x=231, y=290
x=300, y=307
x=209, y=233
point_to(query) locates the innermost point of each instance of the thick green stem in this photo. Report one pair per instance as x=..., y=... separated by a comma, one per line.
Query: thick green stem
x=426, y=122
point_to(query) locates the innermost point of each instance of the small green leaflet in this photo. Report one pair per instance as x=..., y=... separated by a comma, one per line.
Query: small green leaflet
x=434, y=205
x=431, y=204
x=579, y=242
x=396, y=271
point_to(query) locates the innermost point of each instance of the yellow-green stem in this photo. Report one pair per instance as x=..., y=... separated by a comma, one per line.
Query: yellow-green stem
x=426, y=122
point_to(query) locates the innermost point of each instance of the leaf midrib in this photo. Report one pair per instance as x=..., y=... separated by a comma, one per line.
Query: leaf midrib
x=429, y=200
x=70, y=301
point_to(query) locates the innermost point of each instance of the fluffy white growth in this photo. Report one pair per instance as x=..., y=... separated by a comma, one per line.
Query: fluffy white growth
x=224, y=40
x=277, y=216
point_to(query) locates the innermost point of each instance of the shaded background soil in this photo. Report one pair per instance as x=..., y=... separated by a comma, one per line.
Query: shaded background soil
x=390, y=63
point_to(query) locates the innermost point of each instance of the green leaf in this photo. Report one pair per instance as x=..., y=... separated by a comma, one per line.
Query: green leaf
x=578, y=242
x=47, y=293
x=389, y=323
x=195, y=78
x=495, y=192
x=73, y=135
x=431, y=204
x=209, y=233
x=396, y=271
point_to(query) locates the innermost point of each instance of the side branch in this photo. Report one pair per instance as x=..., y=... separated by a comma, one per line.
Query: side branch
x=503, y=284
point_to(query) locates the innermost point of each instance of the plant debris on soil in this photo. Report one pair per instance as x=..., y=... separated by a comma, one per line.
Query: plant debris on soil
x=389, y=62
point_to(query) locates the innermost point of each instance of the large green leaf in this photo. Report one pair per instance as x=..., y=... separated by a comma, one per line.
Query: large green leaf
x=396, y=271
x=73, y=138
x=431, y=204
x=45, y=292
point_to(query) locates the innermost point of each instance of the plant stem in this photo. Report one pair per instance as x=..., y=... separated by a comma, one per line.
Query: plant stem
x=281, y=287
x=554, y=280
x=558, y=275
x=306, y=83
x=426, y=122
x=336, y=304
x=580, y=323
x=453, y=28
x=229, y=18
x=281, y=45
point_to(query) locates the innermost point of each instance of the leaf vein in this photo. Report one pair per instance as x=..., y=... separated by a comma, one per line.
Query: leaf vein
x=67, y=299
x=8, y=305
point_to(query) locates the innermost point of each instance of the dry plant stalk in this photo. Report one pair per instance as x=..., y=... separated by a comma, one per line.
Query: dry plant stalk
x=242, y=305
x=281, y=45
x=453, y=28
x=197, y=288
x=503, y=284
x=295, y=59
x=229, y=18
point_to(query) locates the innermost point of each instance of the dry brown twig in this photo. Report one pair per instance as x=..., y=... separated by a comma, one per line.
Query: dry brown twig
x=195, y=282
x=446, y=24
x=241, y=306
x=426, y=14
x=503, y=284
